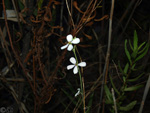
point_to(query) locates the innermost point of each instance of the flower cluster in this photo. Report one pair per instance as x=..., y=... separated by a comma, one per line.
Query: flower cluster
x=69, y=47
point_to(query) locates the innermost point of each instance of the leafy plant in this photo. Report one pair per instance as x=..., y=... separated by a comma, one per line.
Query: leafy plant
x=136, y=53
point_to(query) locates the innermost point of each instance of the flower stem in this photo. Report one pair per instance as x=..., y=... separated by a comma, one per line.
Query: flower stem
x=74, y=51
x=80, y=76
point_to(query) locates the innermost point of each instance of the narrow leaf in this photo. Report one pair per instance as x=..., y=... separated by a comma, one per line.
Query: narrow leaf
x=133, y=88
x=141, y=45
x=143, y=54
x=130, y=45
x=121, y=70
x=129, y=106
x=108, y=93
x=40, y=3
x=124, y=79
x=127, y=52
x=90, y=103
x=133, y=66
x=135, y=40
x=135, y=79
x=126, y=68
x=113, y=85
x=134, y=54
x=146, y=46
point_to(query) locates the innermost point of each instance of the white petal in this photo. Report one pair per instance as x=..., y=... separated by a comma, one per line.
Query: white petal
x=78, y=89
x=82, y=64
x=75, y=70
x=70, y=47
x=70, y=67
x=73, y=60
x=65, y=46
x=77, y=92
x=69, y=38
x=75, y=41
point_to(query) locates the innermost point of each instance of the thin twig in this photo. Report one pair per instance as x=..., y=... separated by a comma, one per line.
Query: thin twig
x=113, y=94
x=18, y=19
x=127, y=23
x=12, y=47
x=6, y=50
x=145, y=94
x=105, y=70
x=61, y=16
x=99, y=52
x=81, y=23
x=84, y=107
x=70, y=14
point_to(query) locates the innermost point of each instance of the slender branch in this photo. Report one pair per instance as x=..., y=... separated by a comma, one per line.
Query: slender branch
x=12, y=47
x=17, y=14
x=70, y=13
x=105, y=70
x=145, y=94
x=113, y=94
x=130, y=17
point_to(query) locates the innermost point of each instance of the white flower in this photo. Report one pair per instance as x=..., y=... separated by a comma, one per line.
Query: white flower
x=77, y=92
x=75, y=65
x=71, y=41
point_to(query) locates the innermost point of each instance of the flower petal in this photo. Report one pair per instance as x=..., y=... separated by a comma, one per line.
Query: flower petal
x=78, y=89
x=69, y=38
x=75, y=70
x=70, y=47
x=75, y=41
x=73, y=60
x=70, y=67
x=77, y=92
x=82, y=64
x=65, y=46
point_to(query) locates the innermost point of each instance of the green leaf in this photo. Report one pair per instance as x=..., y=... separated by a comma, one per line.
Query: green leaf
x=135, y=41
x=133, y=88
x=133, y=66
x=108, y=101
x=127, y=52
x=143, y=54
x=126, y=68
x=21, y=6
x=121, y=70
x=134, y=54
x=35, y=12
x=124, y=79
x=141, y=45
x=108, y=93
x=90, y=103
x=146, y=46
x=113, y=85
x=135, y=79
x=40, y=3
x=128, y=107
x=130, y=45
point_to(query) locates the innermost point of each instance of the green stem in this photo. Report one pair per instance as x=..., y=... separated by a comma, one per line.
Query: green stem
x=78, y=70
x=80, y=76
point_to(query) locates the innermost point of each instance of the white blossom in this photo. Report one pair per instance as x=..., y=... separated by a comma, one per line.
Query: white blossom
x=70, y=41
x=75, y=65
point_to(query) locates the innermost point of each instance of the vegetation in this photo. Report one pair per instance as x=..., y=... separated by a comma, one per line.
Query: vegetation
x=71, y=56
